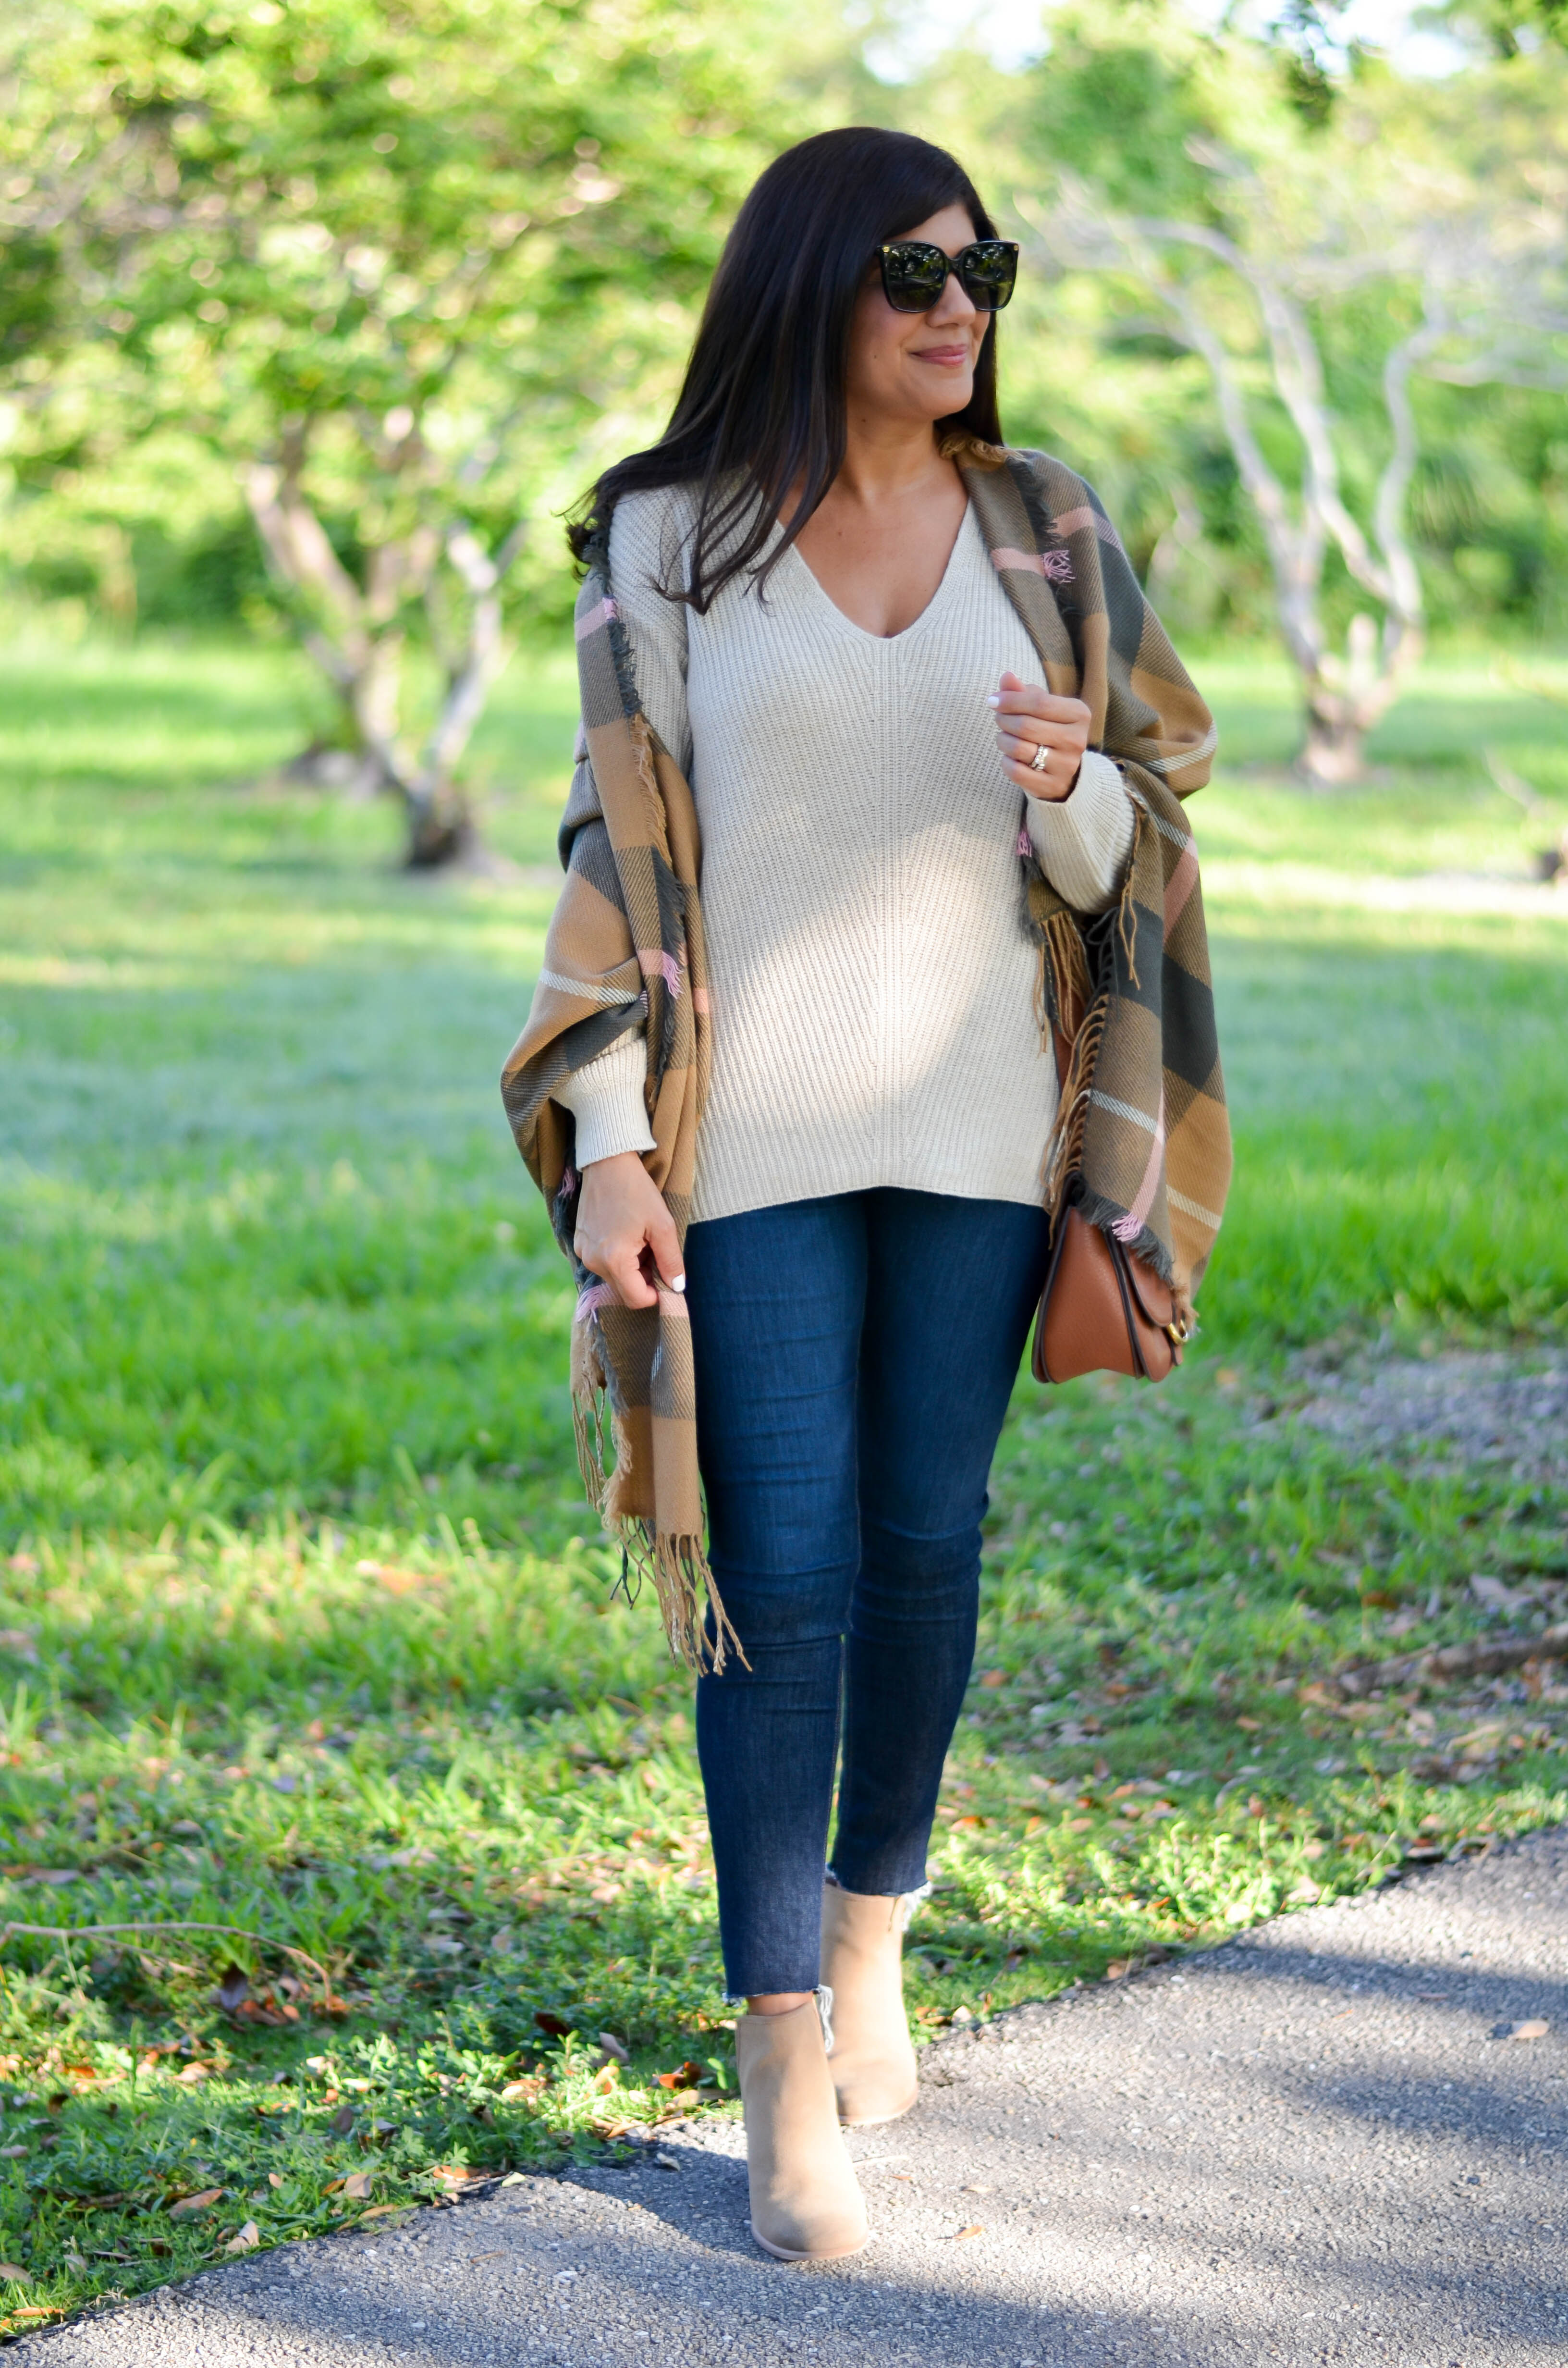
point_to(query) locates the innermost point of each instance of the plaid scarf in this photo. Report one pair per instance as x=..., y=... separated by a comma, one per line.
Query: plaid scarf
x=1140, y=1144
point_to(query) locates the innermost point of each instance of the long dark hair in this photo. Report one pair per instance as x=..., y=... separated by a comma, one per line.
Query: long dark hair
x=762, y=404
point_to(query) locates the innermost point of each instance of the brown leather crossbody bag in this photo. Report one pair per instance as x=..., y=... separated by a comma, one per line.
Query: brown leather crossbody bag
x=1102, y=1310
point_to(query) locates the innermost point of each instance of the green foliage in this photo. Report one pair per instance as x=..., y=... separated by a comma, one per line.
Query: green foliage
x=428, y=256
x=340, y=284
x=1121, y=100
x=1162, y=120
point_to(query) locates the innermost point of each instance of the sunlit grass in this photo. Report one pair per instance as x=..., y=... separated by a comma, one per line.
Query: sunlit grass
x=304, y=1629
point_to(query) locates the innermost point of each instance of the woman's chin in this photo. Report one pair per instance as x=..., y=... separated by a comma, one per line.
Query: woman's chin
x=940, y=399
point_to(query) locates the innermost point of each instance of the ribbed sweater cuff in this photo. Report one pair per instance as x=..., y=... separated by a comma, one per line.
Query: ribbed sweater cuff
x=1084, y=840
x=606, y=1099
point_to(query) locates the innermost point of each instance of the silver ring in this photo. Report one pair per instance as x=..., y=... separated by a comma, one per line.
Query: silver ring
x=1040, y=759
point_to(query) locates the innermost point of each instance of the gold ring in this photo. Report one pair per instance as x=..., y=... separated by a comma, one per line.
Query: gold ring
x=1040, y=759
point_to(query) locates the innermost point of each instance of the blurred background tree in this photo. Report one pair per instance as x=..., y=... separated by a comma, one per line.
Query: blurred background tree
x=315, y=315
x=398, y=274
x=1321, y=258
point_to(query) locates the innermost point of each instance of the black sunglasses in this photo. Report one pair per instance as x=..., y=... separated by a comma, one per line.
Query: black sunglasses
x=914, y=273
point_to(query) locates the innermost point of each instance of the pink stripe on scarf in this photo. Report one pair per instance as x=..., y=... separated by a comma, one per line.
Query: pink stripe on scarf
x=1056, y=566
x=603, y=615
x=597, y=1295
x=1075, y=522
x=657, y=965
x=1128, y=1228
x=1180, y=886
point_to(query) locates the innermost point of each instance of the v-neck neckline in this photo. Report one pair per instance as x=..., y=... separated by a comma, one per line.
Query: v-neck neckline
x=887, y=641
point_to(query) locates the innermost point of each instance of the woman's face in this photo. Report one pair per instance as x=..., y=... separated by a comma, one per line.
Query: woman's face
x=917, y=366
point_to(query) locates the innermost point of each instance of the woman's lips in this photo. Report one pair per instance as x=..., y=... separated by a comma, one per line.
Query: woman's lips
x=948, y=355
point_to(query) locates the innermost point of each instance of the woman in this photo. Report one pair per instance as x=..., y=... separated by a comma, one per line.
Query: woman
x=807, y=602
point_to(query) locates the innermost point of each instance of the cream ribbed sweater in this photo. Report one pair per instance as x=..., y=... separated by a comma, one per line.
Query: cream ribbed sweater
x=872, y=987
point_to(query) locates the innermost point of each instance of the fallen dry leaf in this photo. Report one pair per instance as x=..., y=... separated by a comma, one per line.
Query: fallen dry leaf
x=684, y=2076
x=616, y=2047
x=378, y=2211
x=188, y=2204
x=247, y=2241
x=233, y=1988
x=1535, y=2029
x=975, y=2228
x=19, y=2277
x=992, y=1679
x=359, y=2184
x=192, y=2073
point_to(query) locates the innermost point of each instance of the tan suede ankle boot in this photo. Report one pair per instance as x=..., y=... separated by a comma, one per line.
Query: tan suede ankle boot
x=805, y=2200
x=862, y=1963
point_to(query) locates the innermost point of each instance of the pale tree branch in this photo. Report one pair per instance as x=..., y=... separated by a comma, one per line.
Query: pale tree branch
x=1344, y=694
x=482, y=657
x=1297, y=374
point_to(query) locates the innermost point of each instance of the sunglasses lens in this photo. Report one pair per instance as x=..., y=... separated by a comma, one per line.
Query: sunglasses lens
x=914, y=276
x=988, y=270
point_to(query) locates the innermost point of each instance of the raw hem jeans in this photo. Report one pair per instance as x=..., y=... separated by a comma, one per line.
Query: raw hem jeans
x=854, y=1359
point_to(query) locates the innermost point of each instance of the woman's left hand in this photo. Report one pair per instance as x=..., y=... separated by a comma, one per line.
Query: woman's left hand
x=1030, y=719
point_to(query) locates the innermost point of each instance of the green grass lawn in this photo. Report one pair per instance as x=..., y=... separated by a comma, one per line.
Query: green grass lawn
x=304, y=1629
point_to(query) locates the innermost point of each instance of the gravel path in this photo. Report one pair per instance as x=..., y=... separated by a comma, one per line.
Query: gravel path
x=1322, y=2142
x=1445, y=1413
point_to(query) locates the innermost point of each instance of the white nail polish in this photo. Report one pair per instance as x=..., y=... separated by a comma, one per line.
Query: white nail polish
x=679, y=1283
x=995, y=699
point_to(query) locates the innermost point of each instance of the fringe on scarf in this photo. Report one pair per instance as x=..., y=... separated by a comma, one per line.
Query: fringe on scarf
x=1127, y=910
x=1066, y=1017
x=1062, y=984
x=676, y=1565
x=1064, y=1152
x=592, y=1413
x=682, y=1575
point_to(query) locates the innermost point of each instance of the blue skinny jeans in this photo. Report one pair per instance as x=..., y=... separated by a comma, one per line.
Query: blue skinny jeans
x=854, y=1359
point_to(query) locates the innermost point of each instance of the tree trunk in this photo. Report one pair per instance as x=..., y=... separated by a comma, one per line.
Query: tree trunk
x=1334, y=751
x=1346, y=697
x=357, y=640
x=440, y=827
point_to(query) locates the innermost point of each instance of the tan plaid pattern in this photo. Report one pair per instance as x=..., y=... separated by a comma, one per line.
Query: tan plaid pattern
x=1141, y=1142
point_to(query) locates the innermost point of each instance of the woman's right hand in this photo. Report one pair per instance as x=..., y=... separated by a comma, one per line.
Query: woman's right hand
x=625, y=1234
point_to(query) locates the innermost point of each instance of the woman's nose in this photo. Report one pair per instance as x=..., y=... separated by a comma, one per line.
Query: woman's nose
x=953, y=306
